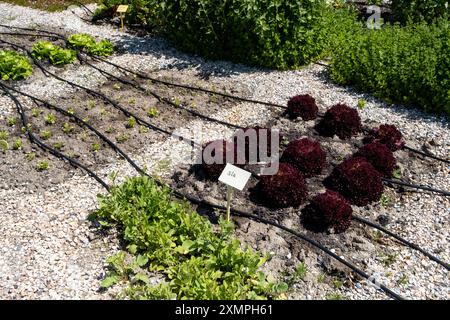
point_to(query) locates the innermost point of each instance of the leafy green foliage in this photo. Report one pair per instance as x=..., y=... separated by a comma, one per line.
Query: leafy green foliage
x=4, y=145
x=14, y=66
x=409, y=65
x=152, y=112
x=169, y=237
x=418, y=10
x=276, y=34
x=84, y=41
x=45, y=50
x=17, y=145
x=42, y=166
x=50, y=119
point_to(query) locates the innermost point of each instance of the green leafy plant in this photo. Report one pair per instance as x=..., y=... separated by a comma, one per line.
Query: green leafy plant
x=46, y=134
x=31, y=156
x=50, y=119
x=4, y=135
x=11, y=121
x=95, y=147
x=36, y=112
x=170, y=238
x=45, y=50
x=121, y=138
x=408, y=65
x=58, y=145
x=42, y=165
x=416, y=11
x=4, y=145
x=131, y=123
x=275, y=34
x=14, y=66
x=17, y=145
x=67, y=128
x=152, y=112
x=335, y=296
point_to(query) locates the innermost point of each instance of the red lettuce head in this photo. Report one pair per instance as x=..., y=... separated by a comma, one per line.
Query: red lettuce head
x=357, y=180
x=386, y=134
x=306, y=155
x=303, y=106
x=379, y=156
x=340, y=120
x=326, y=211
x=287, y=188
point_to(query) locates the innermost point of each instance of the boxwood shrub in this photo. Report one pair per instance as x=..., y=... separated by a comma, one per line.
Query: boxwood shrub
x=408, y=65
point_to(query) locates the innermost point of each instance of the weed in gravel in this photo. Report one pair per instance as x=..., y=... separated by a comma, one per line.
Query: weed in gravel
x=91, y=104
x=397, y=173
x=321, y=278
x=117, y=86
x=11, y=121
x=110, y=129
x=71, y=111
x=361, y=104
x=42, y=165
x=46, y=134
x=338, y=283
x=300, y=271
x=17, y=145
x=50, y=119
x=132, y=102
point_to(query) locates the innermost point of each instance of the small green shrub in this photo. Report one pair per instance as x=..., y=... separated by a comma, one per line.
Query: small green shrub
x=408, y=65
x=14, y=66
x=4, y=145
x=45, y=50
x=167, y=236
x=418, y=10
x=67, y=128
x=131, y=123
x=152, y=112
x=4, y=135
x=11, y=121
x=50, y=119
x=17, y=145
x=46, y=134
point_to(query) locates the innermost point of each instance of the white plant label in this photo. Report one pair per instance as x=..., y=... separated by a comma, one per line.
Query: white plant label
x=234, y=177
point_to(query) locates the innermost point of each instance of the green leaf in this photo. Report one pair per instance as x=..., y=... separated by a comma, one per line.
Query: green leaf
x=141, y=277
x=141, y=260
x=109, y=281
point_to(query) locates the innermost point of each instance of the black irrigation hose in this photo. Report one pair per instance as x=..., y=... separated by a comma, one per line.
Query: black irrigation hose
x=203, y=89
x=114, y=103
x=402, y=240
x=33, y=139
x=160, y=98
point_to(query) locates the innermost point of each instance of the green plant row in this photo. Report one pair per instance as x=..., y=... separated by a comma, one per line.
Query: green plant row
x=169, y=237
x=84, y=41
x=279, y=34
x=408, y=65
x=45, y=50
x=14, y=66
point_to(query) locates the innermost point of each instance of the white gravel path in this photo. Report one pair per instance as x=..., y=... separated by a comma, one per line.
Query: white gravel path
x=46, y=252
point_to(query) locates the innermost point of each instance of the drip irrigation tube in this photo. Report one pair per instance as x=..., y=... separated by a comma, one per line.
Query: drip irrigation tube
x=197, y=201
x=404, y=184
x=195, y=88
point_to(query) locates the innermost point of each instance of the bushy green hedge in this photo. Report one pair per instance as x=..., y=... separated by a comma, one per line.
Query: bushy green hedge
x=417, y=10
x=278, y=34
x=409, y=65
